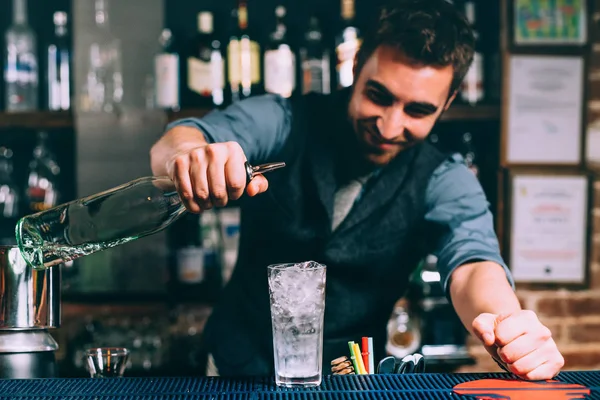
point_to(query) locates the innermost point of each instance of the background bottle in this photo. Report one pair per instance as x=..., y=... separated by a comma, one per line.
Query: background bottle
x=205, y=66
x=471, y=89
x=42, y=182
x=20, y=63
x=9, y=198
x=280, y=60
x=243, y=57
x=348, y=42
x=105, y=76
x=314, y=59
x=166, y=73
x=58, y=67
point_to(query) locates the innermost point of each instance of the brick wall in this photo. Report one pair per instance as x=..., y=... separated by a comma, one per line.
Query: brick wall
x=572, y=316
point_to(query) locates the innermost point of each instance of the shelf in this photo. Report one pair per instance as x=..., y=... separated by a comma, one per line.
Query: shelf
x=36, y=120
x=463, y=112
x=186, y=113
x=456, y=113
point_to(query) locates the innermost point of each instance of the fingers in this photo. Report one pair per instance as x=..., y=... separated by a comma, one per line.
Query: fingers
x=542, y=363
x=235, y=175
x=523, y=345
x=197, y=173
x=180, y=176
x=217, y=186
x=516, y=325
x=484, y=327
x=257, y=185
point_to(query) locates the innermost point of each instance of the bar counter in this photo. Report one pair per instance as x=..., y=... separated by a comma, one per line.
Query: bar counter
x=568, y=385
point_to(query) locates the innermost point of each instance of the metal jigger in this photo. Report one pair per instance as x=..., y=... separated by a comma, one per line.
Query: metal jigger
x=107, y=362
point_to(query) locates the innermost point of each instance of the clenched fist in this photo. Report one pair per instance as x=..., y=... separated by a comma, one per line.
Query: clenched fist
x=521, y=343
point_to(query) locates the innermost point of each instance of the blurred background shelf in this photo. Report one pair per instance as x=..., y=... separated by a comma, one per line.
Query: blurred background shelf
x=36, y=120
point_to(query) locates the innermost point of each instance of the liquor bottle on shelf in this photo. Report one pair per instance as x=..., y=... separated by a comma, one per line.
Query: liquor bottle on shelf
x=9, y=198
x=104, y=86
x=205, y=66
x=314, y=58
x=348, y=42
x=42, y=183
x=243, y=57
x=58, y=69
x=166, y=73
x=471, y=90
x=190, y=254
x=280, y=60
x=469, y=153
x=20, y=62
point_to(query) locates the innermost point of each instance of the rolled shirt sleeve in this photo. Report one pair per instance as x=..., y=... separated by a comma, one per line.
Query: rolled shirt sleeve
x=459, y=210
x=260, y=124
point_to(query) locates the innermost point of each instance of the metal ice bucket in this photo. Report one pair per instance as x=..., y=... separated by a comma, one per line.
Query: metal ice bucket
x=29, y=306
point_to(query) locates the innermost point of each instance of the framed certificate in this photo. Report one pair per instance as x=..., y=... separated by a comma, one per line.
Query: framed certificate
x=544, y=124
x=549, y=227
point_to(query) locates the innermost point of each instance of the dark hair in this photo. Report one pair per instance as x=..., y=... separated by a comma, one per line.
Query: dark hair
x=431, y=32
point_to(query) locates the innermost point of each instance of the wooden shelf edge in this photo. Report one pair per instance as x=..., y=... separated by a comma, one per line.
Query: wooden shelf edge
x=36, y=120
x=457, y=112
x=462, y=112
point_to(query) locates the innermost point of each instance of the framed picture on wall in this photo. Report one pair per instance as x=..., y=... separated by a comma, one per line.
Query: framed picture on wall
x=549, y=22
x=549, y=229
x=545, y=101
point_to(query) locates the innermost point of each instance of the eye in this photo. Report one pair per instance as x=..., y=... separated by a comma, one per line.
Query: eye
x=418, y=112
x=379, y=98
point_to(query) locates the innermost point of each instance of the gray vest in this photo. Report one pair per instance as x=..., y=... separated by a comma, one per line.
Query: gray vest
x=369, y=257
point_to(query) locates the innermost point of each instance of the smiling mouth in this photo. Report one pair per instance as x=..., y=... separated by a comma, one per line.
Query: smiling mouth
x=376, y=139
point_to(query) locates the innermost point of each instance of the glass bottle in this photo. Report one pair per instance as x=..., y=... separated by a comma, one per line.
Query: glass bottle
x=243, y=58
x=314, y=59
x=97, y=222
x=166, y=73
x=42, y=183
x=348, y=41
x=469, y=153
x=9, y=197
x=20, y=62
x=280, y=60
x=205, y=66
x=472, y=88
x=104, y=77
x=58, y=66
x=103, y=220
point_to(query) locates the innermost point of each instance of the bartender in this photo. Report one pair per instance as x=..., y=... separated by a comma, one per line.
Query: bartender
x=362, y=193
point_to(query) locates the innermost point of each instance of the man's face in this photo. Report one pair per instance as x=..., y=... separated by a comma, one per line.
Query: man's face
x=395, y=103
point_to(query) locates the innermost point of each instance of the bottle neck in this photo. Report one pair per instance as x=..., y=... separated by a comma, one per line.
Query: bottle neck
x=20, y=12
x=243, y=16
x=60, y=30
x=348, y=10
x=101, y=15
x=101, y=19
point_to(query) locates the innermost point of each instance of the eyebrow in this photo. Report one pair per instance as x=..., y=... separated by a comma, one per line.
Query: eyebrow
x=425, y=106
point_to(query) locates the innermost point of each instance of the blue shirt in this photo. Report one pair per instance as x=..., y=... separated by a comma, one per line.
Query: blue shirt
x=454, y=197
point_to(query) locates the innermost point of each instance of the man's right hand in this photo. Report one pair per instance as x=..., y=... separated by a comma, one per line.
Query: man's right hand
x=205, y=175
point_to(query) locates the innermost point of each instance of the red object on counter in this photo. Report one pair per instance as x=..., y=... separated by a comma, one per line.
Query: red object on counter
x=365, y=352
x=514, y=389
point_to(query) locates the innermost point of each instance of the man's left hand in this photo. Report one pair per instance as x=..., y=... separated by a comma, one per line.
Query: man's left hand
x=521, y=343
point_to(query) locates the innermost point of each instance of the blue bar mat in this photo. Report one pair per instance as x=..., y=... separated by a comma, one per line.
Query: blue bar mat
x=334, y=387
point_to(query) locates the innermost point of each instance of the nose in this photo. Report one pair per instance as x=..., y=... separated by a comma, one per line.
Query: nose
x=391, y=124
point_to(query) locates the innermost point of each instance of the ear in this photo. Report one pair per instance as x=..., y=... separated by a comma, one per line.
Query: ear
x=450, y=100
